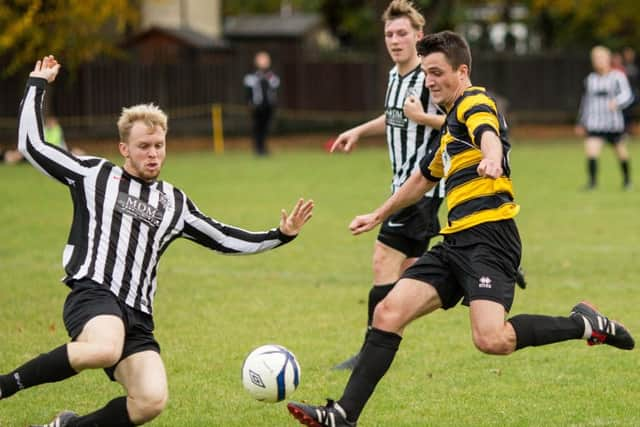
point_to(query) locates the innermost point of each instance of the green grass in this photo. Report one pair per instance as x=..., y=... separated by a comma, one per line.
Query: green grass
x=211, y=310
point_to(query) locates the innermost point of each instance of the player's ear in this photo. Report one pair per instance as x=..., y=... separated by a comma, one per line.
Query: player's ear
x=463, y=71
x=123, y=147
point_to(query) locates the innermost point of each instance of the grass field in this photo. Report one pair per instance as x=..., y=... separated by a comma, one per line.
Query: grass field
x=309, y=296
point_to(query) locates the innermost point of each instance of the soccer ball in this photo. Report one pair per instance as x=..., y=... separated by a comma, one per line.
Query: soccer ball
x=270, y=373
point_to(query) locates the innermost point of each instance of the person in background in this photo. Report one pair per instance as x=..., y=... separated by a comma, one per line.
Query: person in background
x=617, y=62
x=261, y=89
x=606, y=95
x=10, y=157
x=52, y=134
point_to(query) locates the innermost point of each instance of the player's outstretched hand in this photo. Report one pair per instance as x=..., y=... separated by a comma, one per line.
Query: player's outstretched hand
x=363, y=223
x=345, y=141
x=302, y=212
x=47, y=68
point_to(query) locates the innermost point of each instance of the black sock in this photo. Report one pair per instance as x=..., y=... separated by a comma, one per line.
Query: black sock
x=377, y=294
x=46, y=368
x=114, y=414
x=624, y=165
x=535, y=330
x=375, y=360
x=592, y=167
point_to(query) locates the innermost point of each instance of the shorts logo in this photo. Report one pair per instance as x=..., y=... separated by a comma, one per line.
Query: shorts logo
x=395, y=224
x=485, y=282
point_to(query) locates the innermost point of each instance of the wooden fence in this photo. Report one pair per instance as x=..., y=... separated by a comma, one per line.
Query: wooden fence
x=314, y=94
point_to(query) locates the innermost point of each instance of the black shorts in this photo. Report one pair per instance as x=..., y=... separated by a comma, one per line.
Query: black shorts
x=410, y=230
x=477, y=263
x=610, y=137
x=88, y=299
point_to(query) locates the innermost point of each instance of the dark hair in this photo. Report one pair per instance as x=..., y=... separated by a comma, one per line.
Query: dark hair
x=452, y=45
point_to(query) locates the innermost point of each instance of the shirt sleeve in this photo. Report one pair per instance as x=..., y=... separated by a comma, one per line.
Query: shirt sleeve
x=624, y=95
x=274, y=81
x=49, y=159
x=431, y=166
x=479, y=113
x=228, y=239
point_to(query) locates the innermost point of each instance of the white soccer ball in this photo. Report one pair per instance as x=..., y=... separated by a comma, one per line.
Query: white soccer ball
x=270, y=373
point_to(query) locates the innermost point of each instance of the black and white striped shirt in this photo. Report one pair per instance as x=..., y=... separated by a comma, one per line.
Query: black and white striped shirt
x=261, y=87
x=408, y=141
x=599, y=90
x=121, y=224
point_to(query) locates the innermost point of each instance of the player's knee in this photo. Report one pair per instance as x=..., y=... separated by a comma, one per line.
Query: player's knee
x=492, y=343
x=106, y=355
x=147, y=406
x=386, y=317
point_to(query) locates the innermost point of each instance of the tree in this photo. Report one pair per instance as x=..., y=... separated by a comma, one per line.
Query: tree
x=568, y=24
x=561, y=24
x=74, y=31
x=250, y=7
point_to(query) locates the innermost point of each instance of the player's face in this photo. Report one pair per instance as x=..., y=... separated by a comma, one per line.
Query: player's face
x=444, y=82
x=400, y=38
x=601, y=60
x=263, y=61
x=144, y=153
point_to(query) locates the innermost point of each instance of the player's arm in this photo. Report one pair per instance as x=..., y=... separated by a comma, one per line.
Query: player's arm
x=581, y=111
x=581, y=121
x=232, y=240
x=624, y=96
x=491, y=163
x=482, y=123
x=346, y=140
x=414, y=110
x=51, y=160
x=248, y=82
x=408, y=194
x=579, y=128
x=274, y=81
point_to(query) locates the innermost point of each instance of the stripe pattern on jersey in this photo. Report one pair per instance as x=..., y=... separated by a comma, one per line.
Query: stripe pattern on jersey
x=471, y=199
x=121, y=224
x=599, y=90
x=408, y=142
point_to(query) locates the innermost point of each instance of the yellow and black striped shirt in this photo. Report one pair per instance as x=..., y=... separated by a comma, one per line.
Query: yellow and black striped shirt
x=471, y=199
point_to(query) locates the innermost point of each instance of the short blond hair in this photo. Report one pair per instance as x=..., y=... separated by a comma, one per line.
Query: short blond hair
x=150, y=114
x=403, y=8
